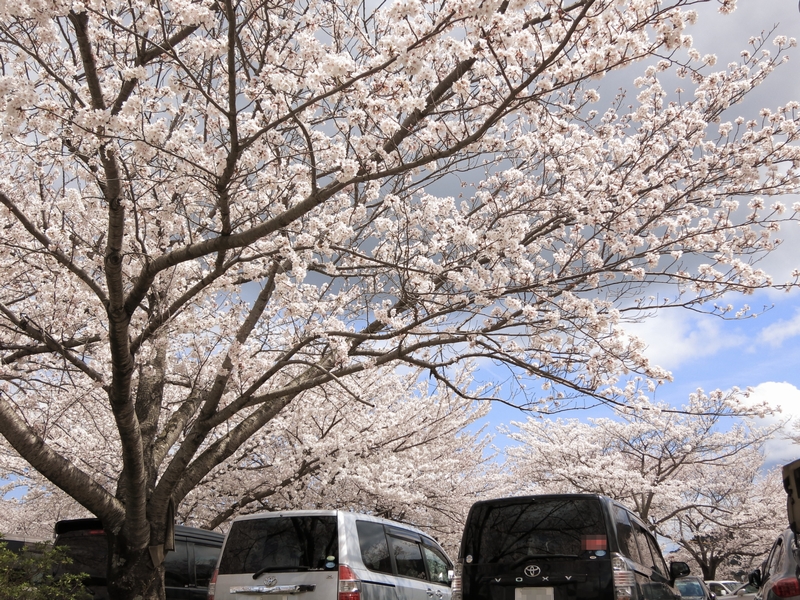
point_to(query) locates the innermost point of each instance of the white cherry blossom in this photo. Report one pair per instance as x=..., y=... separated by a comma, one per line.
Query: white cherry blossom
x=216, y=215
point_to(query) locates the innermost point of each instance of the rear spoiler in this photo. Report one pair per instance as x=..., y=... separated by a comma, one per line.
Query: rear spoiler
x=68, y=525
x=96, y=526
x=791, y=483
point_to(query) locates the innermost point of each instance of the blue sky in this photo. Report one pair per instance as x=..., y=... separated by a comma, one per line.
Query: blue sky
x=763, y=352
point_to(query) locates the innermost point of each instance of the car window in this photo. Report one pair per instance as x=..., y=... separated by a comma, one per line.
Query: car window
x=176, y=565
x=775, y=559
x=281, y=543
x=640, y=536
x=508, y=532
x=407, y=557
x=649, y=551
x=88, y=550
x=437, y=564
x=689, y=587
x=374, y=547
x=658, y=560
x=205, y=560
x=625, y=537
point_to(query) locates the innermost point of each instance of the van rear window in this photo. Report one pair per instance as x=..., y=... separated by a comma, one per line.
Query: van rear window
x=88, y=550
x=511, y=532
x=278, y=544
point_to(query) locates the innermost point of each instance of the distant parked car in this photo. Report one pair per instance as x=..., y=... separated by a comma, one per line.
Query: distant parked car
x=17, y=544
x=694, y=588
x=723, y=587
x=779, y=576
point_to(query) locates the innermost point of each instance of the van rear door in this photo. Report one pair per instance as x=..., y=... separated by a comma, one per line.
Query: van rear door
x=280, y=557
x=86, y=545
x=537, y=548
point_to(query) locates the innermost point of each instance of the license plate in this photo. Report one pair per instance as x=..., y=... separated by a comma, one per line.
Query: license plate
x=534, y=593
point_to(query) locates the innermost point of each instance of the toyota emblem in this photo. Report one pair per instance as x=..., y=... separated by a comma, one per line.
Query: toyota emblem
x=532, y=571
x=270, y=581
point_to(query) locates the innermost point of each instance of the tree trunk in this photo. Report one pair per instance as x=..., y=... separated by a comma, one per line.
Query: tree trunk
x=132, y=575
x=709, y=570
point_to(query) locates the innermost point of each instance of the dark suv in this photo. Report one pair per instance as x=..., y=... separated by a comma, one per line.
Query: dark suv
x=188, y=568
x=560, y=547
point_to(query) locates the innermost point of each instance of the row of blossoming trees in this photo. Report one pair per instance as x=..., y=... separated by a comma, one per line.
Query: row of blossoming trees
x=697, y=478
x=279, y=237
x=696, y=475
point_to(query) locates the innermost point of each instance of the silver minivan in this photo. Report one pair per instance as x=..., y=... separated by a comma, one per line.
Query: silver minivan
x=328, y=555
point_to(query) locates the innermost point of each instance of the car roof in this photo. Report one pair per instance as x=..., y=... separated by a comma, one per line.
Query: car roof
x=68, y=525
x=515, y=499
x=329, y=513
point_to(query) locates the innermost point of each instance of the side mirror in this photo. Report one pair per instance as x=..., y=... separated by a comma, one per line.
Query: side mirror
x=740, y=592
x=755, y=578
x=791, y=483
x=678, y=569
x=451, y=574
x=713, y=596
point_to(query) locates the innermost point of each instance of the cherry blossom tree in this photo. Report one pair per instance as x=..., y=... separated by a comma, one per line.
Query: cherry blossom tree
x=214, y=210
x=693, y=475
x=420, y=463
x=793, y=433
x=732, y=520
x=31, y=506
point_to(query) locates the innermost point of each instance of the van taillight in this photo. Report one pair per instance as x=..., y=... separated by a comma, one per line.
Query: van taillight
x=786, y=587
x=456, y=591
x=624, y=578
x=349, y=585
x=212, y=585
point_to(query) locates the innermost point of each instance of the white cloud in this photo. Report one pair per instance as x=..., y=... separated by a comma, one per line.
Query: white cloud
x=786, y=396
x=676, y=337
x=779, y=332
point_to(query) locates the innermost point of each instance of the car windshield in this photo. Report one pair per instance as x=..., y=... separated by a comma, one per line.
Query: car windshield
x=731, y=585
x=689, y=588
x=510, y=532
x=276, y=544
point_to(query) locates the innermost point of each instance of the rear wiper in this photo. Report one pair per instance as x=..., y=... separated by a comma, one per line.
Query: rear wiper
x=279, y=568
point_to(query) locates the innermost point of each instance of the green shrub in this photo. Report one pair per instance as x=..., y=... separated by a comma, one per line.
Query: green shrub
x=31, y=574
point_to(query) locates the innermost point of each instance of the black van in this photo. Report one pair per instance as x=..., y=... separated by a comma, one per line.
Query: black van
x=188, y=568
x=560, y=547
